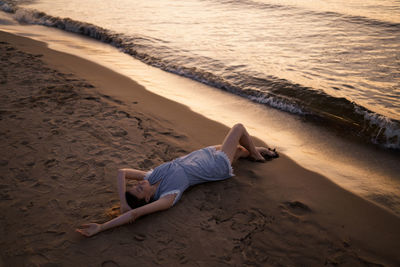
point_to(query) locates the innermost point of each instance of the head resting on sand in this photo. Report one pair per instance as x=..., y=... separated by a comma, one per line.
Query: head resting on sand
x=140, y=194
x=133, y=201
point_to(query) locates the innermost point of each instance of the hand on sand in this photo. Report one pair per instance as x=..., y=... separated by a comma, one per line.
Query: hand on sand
x=89, y=229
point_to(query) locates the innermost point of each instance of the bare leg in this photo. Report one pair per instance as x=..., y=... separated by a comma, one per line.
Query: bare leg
x=238, y=135
x=241, y=152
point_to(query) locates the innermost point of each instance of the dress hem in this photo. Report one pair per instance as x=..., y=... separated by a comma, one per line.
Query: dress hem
x=177, y=192
x=231, y=173
x=146, y=177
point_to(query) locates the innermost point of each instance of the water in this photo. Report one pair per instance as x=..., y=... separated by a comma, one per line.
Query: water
x=337, y=62
x=333, y=64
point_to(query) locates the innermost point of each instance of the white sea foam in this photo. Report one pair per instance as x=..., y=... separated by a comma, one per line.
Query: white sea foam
x=277, y=103
x=32, y=16
x=386, y=129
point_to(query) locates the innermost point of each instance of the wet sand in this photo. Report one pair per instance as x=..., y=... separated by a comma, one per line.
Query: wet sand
x=67, y=125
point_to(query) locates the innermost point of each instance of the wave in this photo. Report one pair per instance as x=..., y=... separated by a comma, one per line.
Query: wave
x=303, y=11
x=340, y=114
x=361, y=20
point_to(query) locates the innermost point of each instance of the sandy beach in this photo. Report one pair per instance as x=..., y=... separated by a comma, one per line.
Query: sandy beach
x=67, y=125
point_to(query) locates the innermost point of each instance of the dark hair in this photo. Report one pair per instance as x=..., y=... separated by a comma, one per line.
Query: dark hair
x=133, y=201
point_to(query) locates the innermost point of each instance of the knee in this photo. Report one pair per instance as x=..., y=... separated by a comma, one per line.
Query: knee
x=238, y=126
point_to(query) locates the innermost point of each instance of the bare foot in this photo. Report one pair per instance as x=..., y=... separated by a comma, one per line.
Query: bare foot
x=267, y=153
x=257, y=156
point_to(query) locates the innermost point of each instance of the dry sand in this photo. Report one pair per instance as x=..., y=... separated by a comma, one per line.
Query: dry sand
x=67, y=125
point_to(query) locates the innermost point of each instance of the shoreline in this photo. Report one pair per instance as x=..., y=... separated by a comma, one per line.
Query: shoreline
x=261, y=215
x=368, y=171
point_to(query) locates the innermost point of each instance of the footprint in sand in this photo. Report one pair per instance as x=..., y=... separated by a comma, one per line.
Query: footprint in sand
x=121, y=112
x=117, y=131
x=295, y=209
x=42, y=188
x=51, y=163
x=140, y=237
x=38, y=259
x=109, y=263
x=30, y=164
x=139, y=122
x=172, y=134
x=112, y=99
x=85, y=84
x=205, y=226
x=92, y=98
x=54, y=204
x=146, y=164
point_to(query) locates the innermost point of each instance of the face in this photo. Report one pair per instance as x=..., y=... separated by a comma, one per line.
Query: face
x=141, y=190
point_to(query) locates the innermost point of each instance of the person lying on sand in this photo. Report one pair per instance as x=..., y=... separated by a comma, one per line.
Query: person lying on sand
x=161, y=188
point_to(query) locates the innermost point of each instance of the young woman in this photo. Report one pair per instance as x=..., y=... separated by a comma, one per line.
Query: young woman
x=161, y=188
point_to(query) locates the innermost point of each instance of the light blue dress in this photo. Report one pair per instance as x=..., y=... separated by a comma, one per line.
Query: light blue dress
x=204, y=165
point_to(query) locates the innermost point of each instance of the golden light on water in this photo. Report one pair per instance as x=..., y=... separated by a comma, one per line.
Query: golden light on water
x=385, y=10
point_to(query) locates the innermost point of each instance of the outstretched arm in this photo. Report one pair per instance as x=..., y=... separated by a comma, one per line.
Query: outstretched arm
x=124, y=174
x=128, y=217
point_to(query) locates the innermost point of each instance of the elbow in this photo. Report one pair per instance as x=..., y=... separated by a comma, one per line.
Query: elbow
x=121, y=172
